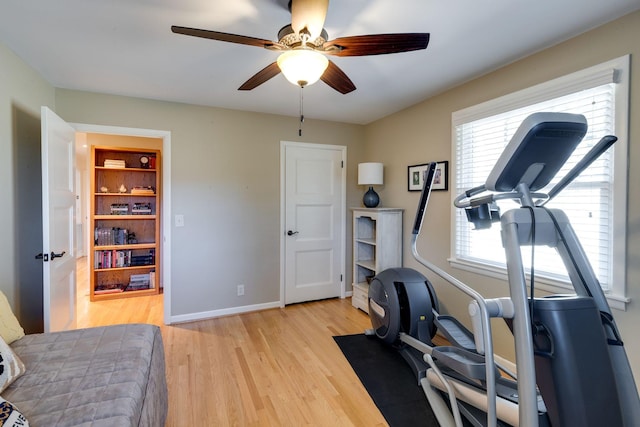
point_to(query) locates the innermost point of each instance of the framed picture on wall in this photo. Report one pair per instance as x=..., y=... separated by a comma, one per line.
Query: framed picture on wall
x=440, y=180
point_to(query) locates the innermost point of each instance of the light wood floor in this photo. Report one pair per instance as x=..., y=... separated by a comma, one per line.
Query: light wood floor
x=278, y=367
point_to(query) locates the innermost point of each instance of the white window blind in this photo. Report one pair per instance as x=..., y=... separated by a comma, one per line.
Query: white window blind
x=481, y=135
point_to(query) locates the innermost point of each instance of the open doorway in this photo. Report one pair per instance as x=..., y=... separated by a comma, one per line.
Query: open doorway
x=124, y=138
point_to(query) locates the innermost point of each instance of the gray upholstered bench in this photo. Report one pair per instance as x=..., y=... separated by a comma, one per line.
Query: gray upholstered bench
x=105, y=376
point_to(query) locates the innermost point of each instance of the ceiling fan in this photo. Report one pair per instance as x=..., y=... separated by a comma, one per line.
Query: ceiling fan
x=304, y=45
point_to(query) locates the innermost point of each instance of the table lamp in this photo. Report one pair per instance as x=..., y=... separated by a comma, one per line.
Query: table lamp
x=370, y=174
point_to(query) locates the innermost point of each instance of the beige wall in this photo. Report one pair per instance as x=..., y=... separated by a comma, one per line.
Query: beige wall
x=22, y=92
x=422, y=133
x=225, y=179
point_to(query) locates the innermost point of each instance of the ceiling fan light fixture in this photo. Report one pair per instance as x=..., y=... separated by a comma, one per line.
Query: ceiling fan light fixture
x=308, y=15
x=302, y=67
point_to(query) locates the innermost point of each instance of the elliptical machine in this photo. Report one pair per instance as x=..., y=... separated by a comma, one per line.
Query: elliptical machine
x=571, y=366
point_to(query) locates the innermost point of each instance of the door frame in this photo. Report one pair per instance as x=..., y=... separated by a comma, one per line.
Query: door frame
x=165, y=221
x=283, y=203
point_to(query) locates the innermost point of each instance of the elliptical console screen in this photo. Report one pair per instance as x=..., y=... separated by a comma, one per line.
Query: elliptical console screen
x=429, y=173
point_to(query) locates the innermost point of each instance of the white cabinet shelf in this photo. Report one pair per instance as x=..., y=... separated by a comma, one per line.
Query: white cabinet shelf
x=377, y=245
x=371, y=242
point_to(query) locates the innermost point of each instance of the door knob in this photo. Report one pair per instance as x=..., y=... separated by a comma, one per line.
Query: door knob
x=55, y=255
x=291, y=233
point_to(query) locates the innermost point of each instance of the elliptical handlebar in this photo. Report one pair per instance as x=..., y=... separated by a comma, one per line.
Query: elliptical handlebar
x=483, y=318
x=429, y=173
x=602, y=146
x=465, y=199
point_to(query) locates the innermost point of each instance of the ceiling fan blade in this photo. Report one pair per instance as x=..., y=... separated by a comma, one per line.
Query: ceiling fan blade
x=337, y=79
x=376, y=44
x=226, y=37
x=261, y=76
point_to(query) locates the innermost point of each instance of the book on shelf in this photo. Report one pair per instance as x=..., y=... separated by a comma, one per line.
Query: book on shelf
x=141, y=209
x=133, y=287
x=143, y=191
x=146, y=259
x=109, y=288
x=112, y=259
x=114, y=164
x=139, y=281
x=152, y=279
x=119, y=208
x=110, y=236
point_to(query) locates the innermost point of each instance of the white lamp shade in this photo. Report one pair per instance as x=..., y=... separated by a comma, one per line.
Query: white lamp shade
x=370, y=174
x=302, y=67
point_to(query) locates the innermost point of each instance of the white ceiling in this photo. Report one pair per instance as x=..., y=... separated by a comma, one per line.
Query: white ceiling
x=126, y=47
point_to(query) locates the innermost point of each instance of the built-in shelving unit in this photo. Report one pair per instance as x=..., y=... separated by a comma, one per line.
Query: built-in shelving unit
x=377, y=245
x=125, y=219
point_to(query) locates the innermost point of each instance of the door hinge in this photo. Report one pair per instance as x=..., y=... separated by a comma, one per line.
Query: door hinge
x=342, y=164
x=341, y=277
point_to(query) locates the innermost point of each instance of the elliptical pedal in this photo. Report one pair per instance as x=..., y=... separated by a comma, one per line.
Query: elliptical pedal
x=455, y=332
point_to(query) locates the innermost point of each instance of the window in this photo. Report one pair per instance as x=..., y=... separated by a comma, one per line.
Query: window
x=595, y=202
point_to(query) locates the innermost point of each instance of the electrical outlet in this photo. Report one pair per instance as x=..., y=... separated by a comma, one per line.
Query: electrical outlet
x=240, y=290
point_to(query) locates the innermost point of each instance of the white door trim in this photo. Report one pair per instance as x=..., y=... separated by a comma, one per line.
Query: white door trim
x=343, y=211
x=165, y=224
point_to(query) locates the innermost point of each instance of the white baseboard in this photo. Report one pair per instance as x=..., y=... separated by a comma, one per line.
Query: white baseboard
x=203, y=315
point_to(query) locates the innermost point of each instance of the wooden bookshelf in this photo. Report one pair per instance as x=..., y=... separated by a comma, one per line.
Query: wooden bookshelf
x=125, y=248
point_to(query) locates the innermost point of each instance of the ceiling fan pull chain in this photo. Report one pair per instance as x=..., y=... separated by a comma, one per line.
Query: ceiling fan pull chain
x=301, y=111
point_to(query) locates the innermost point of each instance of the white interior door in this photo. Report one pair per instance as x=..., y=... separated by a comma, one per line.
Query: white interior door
x=58, y=223
x=314, y=221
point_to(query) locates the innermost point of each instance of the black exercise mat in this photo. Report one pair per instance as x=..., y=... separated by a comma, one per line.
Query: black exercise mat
x=389, y=381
